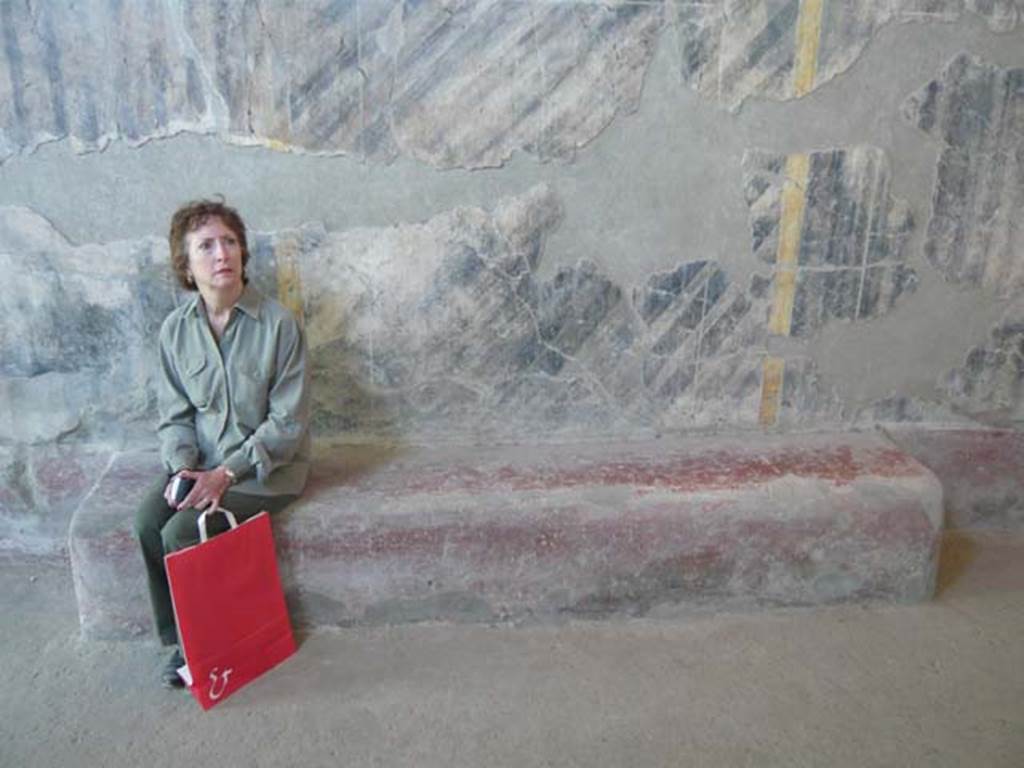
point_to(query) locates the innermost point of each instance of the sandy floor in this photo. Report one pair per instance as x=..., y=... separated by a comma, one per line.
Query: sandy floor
x=932, y=685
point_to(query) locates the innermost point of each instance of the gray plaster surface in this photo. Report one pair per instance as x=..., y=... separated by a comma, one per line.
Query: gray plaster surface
x=937, y=684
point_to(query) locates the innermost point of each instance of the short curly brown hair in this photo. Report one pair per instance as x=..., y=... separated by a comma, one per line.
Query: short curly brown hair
x=190, y=217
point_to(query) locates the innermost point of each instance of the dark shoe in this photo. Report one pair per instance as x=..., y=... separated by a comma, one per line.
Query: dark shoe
x=170, y=677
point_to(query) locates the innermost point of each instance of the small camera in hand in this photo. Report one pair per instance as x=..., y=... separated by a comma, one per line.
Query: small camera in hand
x=180, y=488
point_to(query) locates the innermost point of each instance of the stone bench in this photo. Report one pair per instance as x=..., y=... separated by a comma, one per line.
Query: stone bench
x=553, y=531
x=981, y=470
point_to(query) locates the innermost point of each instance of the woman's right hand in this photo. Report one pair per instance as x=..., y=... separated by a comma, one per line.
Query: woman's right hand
x=209, y=487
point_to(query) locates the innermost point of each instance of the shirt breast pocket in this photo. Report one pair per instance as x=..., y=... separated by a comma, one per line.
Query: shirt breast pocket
x=198, y=382
x=251, y=387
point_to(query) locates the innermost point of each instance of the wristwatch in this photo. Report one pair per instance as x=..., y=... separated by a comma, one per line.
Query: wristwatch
x=231, y=475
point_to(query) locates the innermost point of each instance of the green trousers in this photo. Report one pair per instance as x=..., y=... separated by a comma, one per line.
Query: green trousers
x=162, y=529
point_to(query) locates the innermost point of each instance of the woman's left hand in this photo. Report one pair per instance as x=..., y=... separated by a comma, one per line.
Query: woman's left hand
x=209, y=488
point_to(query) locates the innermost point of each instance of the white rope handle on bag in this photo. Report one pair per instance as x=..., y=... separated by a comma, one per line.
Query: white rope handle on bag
x=202, y=521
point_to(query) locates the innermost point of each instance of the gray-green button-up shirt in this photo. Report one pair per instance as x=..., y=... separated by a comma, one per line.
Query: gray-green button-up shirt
x=244, y=403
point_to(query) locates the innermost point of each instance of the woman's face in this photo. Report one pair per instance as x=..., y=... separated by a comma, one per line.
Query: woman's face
x=214, y=257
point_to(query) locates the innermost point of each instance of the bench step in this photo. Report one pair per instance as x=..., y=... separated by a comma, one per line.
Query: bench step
x=524, y=533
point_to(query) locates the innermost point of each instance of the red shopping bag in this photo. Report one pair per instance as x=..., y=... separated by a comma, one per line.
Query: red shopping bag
x=232, y=620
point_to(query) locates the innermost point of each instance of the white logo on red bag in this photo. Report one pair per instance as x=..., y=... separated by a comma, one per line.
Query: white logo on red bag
x=215, y=692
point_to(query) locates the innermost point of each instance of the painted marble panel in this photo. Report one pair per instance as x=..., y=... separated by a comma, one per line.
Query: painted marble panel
x=731, y=50
x=93, y=71
x=833, y=234
x=975, y=111
x=453, y=84
x=1001, y=15
x=451, y=330
x=74, y=345
x=990, y=384
x=442, y=329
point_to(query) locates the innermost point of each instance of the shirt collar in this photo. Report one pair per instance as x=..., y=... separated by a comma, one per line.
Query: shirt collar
x=249, y=302
x=192, y=303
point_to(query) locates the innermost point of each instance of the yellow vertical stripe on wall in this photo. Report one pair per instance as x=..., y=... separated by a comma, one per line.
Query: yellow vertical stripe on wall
x=289, y=282
x=808, y=38
x=786, y=259
x=771, y=390
x=783, y=294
